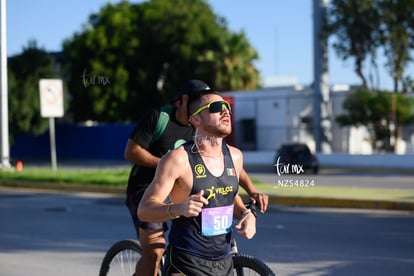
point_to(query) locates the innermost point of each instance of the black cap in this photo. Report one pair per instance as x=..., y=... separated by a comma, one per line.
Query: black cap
x=194, y=89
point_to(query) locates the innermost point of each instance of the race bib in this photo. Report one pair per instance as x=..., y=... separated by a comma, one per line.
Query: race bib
x=216, y=221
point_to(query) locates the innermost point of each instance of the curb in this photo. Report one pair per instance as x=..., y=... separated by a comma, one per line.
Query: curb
x=273, y=199
x=342, y=203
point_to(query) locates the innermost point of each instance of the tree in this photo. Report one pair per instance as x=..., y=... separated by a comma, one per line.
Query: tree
x=101, y=68
x=130, y=57
x=355, y=25
x=24, y=72
x=397, y=36
x=233, y=66
x=364, y=27
x=372, y=110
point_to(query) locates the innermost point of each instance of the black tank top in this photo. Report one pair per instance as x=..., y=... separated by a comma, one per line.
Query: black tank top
x=209, y=234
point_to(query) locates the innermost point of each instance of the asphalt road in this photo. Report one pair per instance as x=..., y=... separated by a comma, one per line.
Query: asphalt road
x=44, y=234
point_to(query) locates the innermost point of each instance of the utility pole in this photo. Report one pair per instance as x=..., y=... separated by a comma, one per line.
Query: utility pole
x=4, y=112
x=321, y=102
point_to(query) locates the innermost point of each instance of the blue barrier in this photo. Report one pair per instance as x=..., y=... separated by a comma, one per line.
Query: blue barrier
x=103, y=141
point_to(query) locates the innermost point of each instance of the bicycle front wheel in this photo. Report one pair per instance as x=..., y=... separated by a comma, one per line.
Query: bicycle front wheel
x=121, y=258
x=249, y=266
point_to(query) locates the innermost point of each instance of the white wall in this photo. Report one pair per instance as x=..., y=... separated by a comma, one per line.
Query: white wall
x=279, y=114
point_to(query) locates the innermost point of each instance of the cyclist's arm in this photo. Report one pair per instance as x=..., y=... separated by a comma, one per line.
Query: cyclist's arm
x=136, y=154
x=139, y=141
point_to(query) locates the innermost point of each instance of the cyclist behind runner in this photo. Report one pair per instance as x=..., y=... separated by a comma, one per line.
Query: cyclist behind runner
x=200, y=179
x=145, y=152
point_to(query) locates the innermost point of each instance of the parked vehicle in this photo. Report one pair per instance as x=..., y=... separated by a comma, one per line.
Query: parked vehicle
x=295, y=158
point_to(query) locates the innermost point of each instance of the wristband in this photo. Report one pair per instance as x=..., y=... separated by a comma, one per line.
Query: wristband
x=169, y=213
x=245, y=212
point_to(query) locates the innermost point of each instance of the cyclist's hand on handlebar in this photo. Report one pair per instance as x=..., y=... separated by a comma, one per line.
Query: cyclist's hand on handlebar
x=193, y=205
x=247, y=226
x=261, y=200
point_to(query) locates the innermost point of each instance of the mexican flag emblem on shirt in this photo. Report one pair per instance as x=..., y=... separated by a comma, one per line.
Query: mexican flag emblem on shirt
x=231, y=172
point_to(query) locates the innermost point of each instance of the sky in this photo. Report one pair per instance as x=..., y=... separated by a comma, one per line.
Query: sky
x=281, y=31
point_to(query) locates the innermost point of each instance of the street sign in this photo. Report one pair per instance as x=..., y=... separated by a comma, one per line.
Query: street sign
x=51, y=97
x=51, y=106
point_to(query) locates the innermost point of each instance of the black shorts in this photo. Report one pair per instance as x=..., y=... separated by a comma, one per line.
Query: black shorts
x=190, y=265
x=132, y=202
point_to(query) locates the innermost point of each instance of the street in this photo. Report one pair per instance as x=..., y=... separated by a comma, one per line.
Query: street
x=44, y=234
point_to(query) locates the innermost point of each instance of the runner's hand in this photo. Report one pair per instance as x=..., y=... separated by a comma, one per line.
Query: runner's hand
x=247, y=226
x=261, y=200
x=193, y=205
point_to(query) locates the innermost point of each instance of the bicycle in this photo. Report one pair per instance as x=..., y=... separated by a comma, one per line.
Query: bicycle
x=122, y=256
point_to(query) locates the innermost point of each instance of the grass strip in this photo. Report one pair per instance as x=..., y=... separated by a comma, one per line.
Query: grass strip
x=102, y=179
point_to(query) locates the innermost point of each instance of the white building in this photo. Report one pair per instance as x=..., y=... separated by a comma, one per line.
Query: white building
x=267, y=118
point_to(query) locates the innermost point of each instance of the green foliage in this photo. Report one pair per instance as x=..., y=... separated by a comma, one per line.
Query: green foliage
x=397, y=36
x=101, y=63
x=377, y=111
x=354, y=23
x=232, y=66
x=130, y=57
x=24, y=72
x=364, y=27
